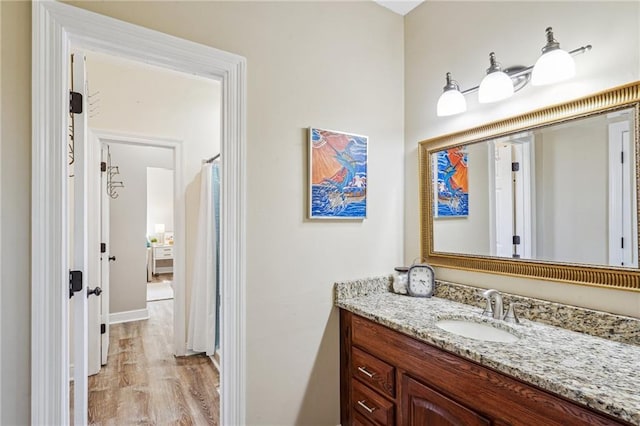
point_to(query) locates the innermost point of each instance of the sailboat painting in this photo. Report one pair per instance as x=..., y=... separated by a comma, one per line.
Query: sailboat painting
x=452, y=183
x=337, y=175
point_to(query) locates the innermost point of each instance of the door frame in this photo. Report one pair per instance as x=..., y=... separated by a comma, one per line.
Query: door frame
x=97, y=137
x=55, y=26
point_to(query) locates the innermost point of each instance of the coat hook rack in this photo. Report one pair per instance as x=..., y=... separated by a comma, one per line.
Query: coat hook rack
x=112, y=172
x=94, y=104
x=72, y=127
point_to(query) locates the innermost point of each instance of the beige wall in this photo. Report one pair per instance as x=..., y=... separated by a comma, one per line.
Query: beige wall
x=159, y=199
x=462, y=47
x=15, y=184
x=128, y=225
x=572, y=193
x=337, y=65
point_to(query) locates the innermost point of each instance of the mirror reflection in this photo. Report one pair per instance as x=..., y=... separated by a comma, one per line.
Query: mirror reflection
x=562, y=193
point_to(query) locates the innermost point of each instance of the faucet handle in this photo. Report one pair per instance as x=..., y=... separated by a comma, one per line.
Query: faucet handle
x=511, y=316
x=488, y=309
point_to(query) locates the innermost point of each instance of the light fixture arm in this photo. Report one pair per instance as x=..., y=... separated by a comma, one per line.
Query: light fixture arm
x=526, y=71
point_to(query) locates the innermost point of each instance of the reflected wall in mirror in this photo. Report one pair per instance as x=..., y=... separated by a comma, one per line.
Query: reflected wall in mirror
x=550, y=194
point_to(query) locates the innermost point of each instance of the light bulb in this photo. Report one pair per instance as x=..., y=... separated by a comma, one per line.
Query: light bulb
x=554, y=65
x=451, y=101
x=495, y=87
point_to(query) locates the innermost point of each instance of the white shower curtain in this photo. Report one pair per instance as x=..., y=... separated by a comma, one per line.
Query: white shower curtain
x=202, y=317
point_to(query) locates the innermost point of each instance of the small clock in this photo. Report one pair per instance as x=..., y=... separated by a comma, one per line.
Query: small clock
x=421, y=280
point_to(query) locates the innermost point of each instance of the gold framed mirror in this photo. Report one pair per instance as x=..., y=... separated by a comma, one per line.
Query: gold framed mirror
x=551, y=194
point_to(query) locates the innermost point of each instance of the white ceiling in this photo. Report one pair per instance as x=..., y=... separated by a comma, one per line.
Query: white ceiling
x=401, y=7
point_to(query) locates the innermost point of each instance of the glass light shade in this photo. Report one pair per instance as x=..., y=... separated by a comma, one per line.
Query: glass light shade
x=451, y=102
x=552, y=67
x=494, y=87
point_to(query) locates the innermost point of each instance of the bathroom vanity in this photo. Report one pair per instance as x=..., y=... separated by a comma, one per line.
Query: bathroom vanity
x=510, y=198
x=399, y=368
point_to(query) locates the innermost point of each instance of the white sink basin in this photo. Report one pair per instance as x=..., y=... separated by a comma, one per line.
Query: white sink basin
x=476, y=330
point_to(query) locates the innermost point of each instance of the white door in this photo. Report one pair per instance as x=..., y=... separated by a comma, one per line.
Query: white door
x=80, y=246
x=522, y=200
x=93, y=222
x=622, y=202
x=503, y=181
x=104, y=260
x=98, y=204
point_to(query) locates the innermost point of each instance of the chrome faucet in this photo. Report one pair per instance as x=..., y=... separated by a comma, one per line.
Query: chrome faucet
x=495, y=310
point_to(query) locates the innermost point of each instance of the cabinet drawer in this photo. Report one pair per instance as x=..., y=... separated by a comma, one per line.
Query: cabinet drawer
x=163, y=253
x=371, y=405
x=374, y=372
x=360, y=420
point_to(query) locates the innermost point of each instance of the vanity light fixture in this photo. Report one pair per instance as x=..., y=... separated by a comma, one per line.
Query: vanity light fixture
x=553, y=66
x=496, y=85
x=451, y=101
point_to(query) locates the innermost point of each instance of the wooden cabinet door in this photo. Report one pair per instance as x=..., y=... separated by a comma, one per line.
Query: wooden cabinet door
x=423, y=406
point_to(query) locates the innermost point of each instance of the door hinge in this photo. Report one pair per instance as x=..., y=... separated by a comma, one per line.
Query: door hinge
x=75, y=103
x=103, y=328
x=622, y=242
x=516, y=240
x=75, y=282
x=515, y=166
x=622, y=157
x=103, y=247
x=103, y=166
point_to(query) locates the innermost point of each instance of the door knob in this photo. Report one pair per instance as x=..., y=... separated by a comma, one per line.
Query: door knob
x=96, y=290
x=112, y=258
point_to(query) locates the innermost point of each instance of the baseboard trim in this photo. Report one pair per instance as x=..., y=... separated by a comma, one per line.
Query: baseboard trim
x=128, y=316
x=215, y=359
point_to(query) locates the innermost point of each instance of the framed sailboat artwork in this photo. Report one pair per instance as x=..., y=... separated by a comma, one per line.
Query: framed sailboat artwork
x=337, y=174
x=451, y=191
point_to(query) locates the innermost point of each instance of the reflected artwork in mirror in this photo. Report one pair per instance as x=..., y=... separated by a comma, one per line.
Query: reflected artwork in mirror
x=550, y=194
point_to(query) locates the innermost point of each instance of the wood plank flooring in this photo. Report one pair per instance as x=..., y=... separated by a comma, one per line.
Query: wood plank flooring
x=143, y=383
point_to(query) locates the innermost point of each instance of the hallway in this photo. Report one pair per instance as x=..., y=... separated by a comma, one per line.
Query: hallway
x=143, y=383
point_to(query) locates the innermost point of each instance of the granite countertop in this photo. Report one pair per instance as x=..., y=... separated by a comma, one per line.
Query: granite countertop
x=596, y=372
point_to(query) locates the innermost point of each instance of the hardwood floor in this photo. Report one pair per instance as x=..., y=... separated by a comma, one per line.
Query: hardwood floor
x=143, y=383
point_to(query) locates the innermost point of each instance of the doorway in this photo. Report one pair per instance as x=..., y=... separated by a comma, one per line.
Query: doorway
x=127, y=98
x=55, y=26
x=146, y=110
x=160, y=236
